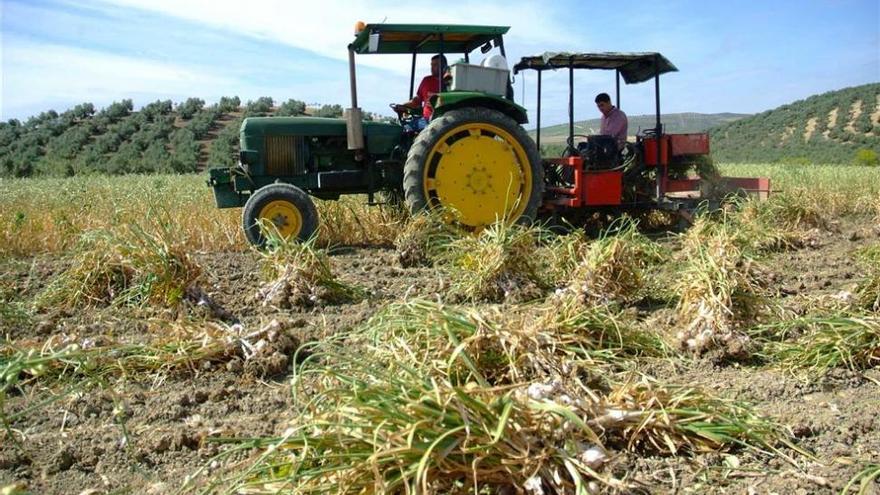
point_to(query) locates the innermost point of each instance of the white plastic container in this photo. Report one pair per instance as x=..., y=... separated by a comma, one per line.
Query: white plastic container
x=467, y=77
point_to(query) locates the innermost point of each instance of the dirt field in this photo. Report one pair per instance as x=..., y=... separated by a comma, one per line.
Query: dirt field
x=148, y=433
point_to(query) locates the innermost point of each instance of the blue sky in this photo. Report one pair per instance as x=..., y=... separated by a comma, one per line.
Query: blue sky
x=733, y=56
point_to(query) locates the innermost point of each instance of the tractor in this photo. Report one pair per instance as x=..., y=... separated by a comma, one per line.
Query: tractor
x=473, y=159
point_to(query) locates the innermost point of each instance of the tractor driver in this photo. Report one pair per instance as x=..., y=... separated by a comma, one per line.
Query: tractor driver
x=429, y=86
x=614, y=121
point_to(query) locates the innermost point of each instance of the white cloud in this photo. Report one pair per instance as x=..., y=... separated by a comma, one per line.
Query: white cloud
x=326, y=27
x=37, y=73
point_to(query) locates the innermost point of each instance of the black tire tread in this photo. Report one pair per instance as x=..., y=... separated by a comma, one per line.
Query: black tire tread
x=413, y=170
x=265, y=194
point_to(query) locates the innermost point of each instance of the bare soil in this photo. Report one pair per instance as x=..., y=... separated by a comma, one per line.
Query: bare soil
x=139, y=435
x=810, y=128
x=875, y=115
x=832, y=122
x=854, y=113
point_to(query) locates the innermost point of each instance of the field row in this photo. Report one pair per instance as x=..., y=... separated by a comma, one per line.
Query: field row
x=49, y=215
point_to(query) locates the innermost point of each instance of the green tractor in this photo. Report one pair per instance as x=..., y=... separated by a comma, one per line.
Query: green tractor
x=473, y=158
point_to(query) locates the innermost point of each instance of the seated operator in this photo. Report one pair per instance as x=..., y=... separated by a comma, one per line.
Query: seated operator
x=614, y=121
x=429, y=86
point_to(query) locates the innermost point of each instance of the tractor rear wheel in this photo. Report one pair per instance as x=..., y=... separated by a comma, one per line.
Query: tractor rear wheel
x=479, y=164
x=287, y=207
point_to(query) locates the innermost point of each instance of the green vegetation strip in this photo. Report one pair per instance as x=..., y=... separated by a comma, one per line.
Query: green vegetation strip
x=827, y=342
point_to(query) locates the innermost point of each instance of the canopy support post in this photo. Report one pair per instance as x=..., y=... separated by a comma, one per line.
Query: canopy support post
x=570, y=102
x=658, y=131
x=538, y=134
x=617, y=87
x=412, y=77
x=440, y=75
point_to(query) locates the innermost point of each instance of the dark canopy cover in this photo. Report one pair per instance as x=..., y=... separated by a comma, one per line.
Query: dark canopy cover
x=425, y=38
x=634, y=67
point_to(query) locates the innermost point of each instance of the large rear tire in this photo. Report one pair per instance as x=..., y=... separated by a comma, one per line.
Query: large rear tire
x=477, y=163
x=286, y=206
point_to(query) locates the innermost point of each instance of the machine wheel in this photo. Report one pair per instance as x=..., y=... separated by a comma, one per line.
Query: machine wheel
x=478, y=163
x=287, y=206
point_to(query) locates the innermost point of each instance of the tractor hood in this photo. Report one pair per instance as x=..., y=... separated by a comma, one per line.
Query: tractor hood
x=310, y=126
x=380, y=137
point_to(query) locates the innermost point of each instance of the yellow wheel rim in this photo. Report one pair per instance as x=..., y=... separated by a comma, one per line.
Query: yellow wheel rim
x=479, y=171
x=284, y=215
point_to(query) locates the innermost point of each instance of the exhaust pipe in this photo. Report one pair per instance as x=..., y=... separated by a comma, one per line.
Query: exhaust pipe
x=354, y=125
x=354, y=117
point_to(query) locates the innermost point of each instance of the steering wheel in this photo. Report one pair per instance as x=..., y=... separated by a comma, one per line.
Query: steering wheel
x=570, y=139
x=570, y=148
x=408, y=113
x=649, y=133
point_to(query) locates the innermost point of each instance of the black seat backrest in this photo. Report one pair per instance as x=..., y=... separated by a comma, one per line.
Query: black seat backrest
x=599, y=152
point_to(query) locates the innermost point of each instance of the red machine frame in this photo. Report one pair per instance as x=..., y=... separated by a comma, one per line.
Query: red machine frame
x=605, y=188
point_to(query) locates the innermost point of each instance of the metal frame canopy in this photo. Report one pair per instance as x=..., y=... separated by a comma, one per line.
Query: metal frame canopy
x=634, y=67
x=373, y=39
x=424, y=38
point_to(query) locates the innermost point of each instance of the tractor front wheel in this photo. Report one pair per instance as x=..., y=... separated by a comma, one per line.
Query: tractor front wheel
x=287, y=207
x=479, y=165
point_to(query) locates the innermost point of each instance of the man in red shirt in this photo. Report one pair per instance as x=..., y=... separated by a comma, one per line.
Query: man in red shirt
x=429, y=86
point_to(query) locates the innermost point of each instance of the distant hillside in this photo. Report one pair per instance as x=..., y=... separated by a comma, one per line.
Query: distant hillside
x=160, y=137
x=827, y=128
x=672, y=122
x=185, y=137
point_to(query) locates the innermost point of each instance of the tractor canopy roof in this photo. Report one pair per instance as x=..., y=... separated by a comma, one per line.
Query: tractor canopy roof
x=634, y=67
x=423, y=38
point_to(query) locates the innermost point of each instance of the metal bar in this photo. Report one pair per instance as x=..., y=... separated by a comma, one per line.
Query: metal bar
x=352, y=77
x=500, y=45
x=412, y=76
x=440, y=75
x=508, y=93
x=658, y=129
x=538, y=134
x=571, y=102
x=617, y=99
x=370, y=186
x=657, y=91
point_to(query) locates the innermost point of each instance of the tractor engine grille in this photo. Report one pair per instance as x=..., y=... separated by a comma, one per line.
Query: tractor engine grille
x=285, y=155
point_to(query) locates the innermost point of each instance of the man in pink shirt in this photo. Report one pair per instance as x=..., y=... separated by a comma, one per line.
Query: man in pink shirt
x=614, y=121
